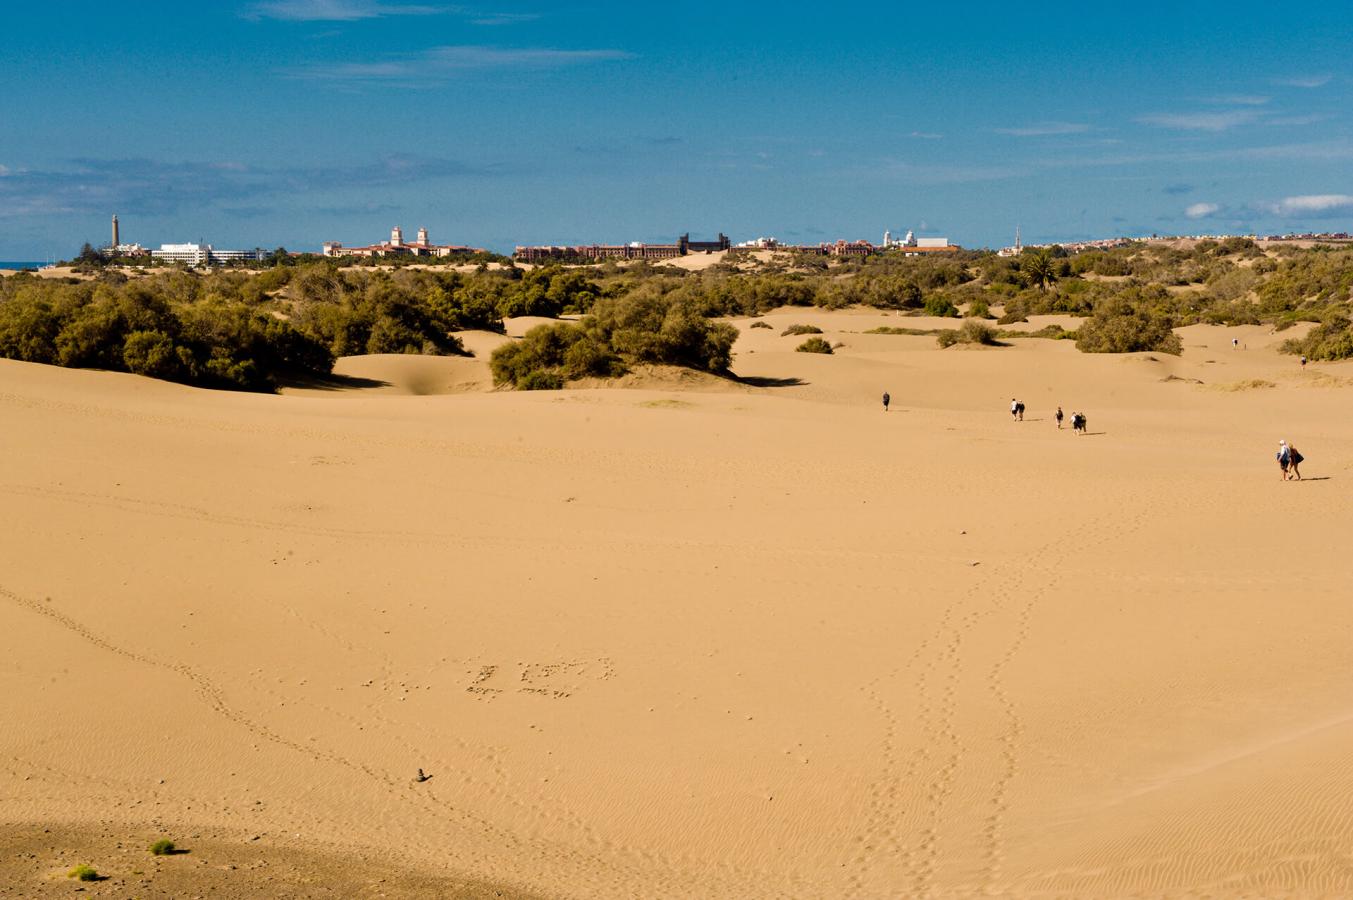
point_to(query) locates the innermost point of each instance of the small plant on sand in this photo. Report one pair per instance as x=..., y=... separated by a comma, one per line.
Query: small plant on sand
x=163, y=847
x=759, y=325
x=800, y=329
x=972, y=331
x=814, y=345
x=83, y=873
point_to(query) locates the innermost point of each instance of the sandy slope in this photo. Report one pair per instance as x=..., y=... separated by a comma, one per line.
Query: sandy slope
x=761, y=642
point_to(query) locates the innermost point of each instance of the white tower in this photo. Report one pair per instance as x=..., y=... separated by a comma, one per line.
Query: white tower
x=423, y=236
x=887, y=239
x=396, y=237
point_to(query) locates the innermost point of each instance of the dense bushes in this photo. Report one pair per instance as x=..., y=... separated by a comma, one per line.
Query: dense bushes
x=246, y=329
x=1120, y=327
x=550, y=354
x=647, y=326
x=800, y=329
x=133, y=328
x=1331, y=340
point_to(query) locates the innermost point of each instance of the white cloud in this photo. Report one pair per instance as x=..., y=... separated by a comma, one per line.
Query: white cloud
x=1315, y=205
x=1240, y=99
x=1305, y=81
x=505, y=19
x=926, y=135
x=1202, y=210
x=1295, y=121
x=1045, y=128
x=441, y=63
x=337, y=10
x=1201, y=121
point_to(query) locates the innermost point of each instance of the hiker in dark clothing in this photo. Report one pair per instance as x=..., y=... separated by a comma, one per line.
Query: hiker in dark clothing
x=1059, y=418
x=886, y=401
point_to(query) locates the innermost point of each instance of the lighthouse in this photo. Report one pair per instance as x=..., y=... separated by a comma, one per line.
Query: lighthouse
x=116, y=241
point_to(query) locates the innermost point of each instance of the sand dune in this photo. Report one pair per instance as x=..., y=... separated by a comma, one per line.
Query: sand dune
x=766, y=641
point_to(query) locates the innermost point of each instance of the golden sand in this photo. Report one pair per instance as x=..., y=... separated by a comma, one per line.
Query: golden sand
x=694, y=638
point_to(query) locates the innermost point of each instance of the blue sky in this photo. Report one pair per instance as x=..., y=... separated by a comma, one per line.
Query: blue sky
x=291, y=122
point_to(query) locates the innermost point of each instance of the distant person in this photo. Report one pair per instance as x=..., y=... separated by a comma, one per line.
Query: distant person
x=886, y=401
x=1059, y=418
x=1014, y=408
x=1303, y=362
x=1078, y=423
x=1235, y=343
x=1020, y=408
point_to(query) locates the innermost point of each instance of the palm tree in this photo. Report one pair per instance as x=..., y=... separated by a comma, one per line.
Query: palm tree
x=1038, y=269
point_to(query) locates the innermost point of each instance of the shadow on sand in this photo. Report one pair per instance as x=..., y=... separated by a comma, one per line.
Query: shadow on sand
x=768, y=382
x=332, y=383
x=1318, y=478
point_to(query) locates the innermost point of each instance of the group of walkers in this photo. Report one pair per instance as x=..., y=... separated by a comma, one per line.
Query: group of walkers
x=1289, y=458
x=1078, y=421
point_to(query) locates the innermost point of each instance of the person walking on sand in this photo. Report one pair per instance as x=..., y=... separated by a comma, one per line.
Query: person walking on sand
x=886, y=401
x=1284, y=458
x=1059, y=418
x=1297, y=459
x=1303, y=362
x=1014, y=409
x=1235, y=343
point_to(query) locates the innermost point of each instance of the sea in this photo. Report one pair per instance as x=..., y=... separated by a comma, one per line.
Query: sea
x=8, y=264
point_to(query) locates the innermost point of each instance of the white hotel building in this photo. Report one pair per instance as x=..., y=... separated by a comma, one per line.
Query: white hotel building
x=203, y=254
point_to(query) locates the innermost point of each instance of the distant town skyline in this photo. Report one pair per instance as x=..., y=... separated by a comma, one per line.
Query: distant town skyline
x=294, y=122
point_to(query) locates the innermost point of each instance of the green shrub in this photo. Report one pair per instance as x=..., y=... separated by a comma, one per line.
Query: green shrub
x=84, y=873
x=814, y=345
x=759, y=325
x=939, y=305
x=970, y=332
x=1120, y=327
x=646, y=326
x=163, y=847
x=549, y=355
x=801, y=329
x=974, y=332
x=978, y=309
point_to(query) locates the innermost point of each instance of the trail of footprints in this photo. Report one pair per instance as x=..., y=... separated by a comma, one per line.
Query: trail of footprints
x=910, y=840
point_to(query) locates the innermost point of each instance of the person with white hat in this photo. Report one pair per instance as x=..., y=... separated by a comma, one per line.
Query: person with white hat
x=1288, y=460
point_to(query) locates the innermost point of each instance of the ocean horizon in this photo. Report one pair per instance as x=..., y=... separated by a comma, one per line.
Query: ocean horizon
x=11, y=264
